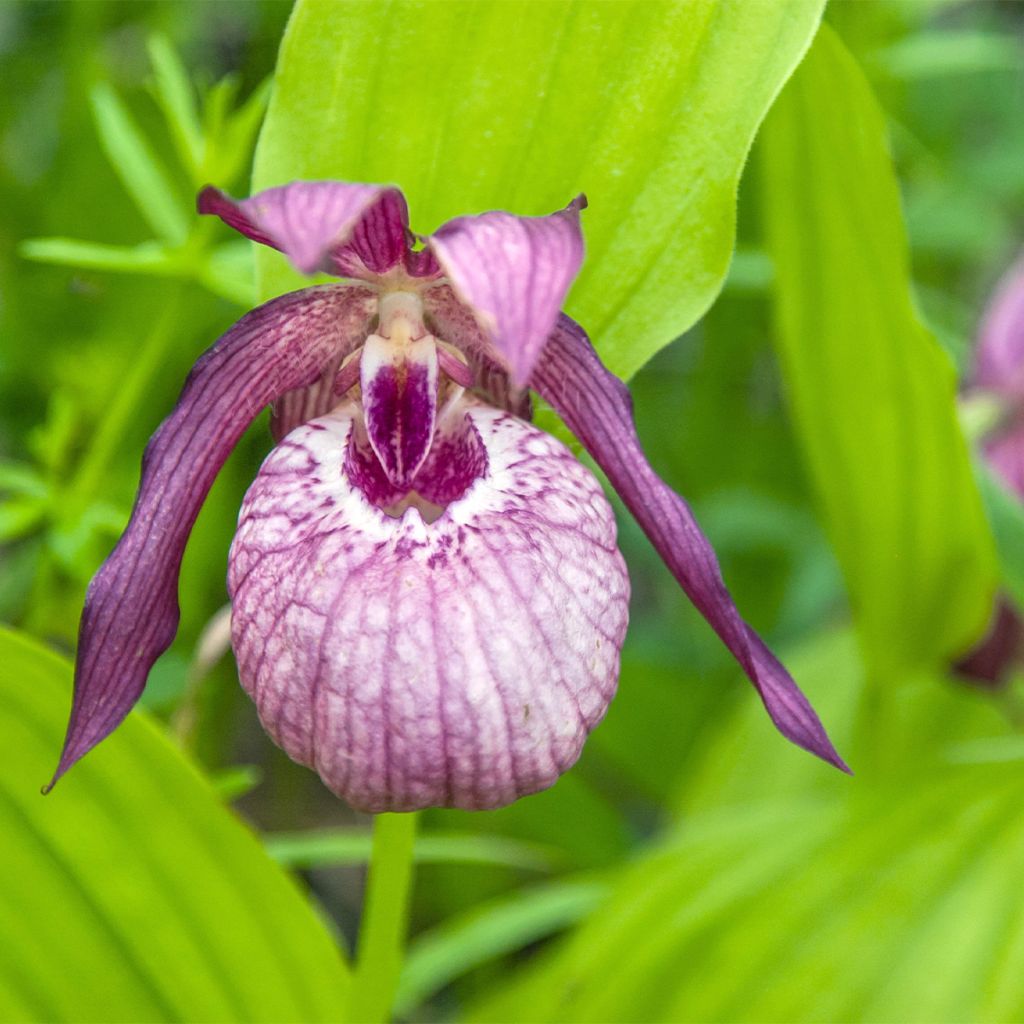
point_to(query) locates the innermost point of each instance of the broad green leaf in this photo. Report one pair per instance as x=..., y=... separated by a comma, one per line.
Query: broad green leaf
x=871, y=391
x=891, y=896
x=490, y=930
x=675, y=891
x=335, y=846
x=648, y=107
x=144, y=177
x=130, y=893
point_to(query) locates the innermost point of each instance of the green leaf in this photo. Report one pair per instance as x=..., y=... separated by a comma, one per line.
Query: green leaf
x=131, y=894
x=147, y=258
x=232, y=148
x=648, y=107
x=939, y=54
x=603, y=971
x=871, y=391
x=21, y=478
x=143, y=175
x=176, y=97
x=352, y=846
x=891, y=896
x=20, y=516
x=233, y=783
x=490, y=930
x=227, y=270
x=217, y=105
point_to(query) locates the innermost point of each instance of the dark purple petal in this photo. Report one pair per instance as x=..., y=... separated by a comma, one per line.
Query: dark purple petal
x=513, y=273
x=332, y=226
x=460, y=662
x=1000, y=353
x=131, y=611
x=596, y=407
x=457, y=457
x=399, y=393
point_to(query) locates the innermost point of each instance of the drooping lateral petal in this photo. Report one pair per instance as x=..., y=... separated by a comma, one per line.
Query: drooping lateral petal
x=596, y=407
x=1000, y=353
x=331, y=226
x=131, y=610
x=513, y=273
x=458, y=663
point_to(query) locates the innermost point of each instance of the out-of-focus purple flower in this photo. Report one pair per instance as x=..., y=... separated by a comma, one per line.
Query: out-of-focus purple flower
x=999, y=373
x=428, y=601
x=999, y=358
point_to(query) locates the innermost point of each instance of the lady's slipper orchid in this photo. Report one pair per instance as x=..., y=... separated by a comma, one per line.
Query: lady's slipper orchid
x=999, y=375
x=428, y=601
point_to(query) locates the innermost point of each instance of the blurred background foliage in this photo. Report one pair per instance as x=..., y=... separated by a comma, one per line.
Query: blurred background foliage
x=693, y=866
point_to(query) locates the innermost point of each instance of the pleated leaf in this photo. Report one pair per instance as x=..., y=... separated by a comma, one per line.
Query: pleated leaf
x=872, y=393
x=648, y=107
x=130, y=893
x=892, y=897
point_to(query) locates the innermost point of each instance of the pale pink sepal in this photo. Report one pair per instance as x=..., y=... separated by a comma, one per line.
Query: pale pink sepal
x=331, y=226
x=459, y=663
x=513, y=273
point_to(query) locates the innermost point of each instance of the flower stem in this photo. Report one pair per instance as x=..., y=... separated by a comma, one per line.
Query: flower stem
x=385, y=914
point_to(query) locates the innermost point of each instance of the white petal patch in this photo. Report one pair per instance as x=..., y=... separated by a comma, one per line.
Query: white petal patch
x=458, y=663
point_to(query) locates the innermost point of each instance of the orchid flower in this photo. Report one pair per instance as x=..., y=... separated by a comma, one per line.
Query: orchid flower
x=999, y=372
x=999, y=375
x=428, y=602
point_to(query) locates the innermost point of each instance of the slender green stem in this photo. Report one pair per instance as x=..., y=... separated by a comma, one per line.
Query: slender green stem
x=385, y=913
x=89, y=479
x=126, y=402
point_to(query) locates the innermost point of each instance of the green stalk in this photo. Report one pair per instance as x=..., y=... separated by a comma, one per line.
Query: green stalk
x=382, y=930
x=90, y=477
x=126, y=402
